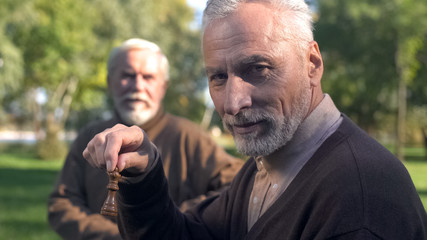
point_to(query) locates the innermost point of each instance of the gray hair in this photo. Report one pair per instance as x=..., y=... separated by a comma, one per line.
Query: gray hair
x=301, y=31
x=139, y=44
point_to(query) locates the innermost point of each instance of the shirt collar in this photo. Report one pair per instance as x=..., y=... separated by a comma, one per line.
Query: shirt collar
x=311, y=131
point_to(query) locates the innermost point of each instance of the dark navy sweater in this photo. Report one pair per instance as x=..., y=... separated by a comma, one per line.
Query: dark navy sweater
x=351, y=188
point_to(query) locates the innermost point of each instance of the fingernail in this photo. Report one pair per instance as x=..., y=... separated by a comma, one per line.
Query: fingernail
x=109, y=166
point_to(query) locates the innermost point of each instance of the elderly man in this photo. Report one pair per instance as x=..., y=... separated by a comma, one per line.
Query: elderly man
x=193, y=163
x=313, y=173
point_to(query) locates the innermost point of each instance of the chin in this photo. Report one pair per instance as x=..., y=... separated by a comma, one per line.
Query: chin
x=136, y=117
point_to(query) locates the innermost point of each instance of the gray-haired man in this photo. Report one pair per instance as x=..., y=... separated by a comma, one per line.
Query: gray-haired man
x=194, y=165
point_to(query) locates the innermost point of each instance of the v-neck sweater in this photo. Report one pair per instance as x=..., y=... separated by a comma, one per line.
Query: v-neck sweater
x=272, y=179
x=351, y=188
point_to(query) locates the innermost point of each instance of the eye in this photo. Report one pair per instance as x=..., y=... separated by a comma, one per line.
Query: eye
x=128, y=75
x=148, y=76
x=218, y=78
x=258, y=69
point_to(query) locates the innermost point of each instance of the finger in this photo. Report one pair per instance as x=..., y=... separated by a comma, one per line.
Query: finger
x=94, y=148
x=124, y=140
x=112, y=148
x=132, y=161
x=98, y=150
x=134, y=139
x=88, y=154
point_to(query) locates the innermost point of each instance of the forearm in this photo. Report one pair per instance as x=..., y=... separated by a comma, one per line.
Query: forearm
x=73, y=221
x=69, y=213
x=146, y=211
x=144, y=205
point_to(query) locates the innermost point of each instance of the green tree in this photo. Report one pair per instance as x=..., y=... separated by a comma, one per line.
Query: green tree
x=11, y=62
x=61, y=48
x=53, y=45
x=370, y=49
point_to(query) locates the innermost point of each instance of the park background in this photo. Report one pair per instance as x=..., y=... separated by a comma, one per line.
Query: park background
x=53, y=81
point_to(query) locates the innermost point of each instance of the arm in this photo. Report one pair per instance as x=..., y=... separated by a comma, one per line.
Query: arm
x=145, y=208
x=69, y=213
x=360, y=234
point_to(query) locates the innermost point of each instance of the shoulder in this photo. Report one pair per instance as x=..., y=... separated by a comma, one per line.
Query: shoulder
x=352, y=152
x=185, y=127
x=365, y=180
x=373, y=161
x=182, y=123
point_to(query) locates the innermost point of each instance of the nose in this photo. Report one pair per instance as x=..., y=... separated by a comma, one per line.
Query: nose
x=140, y=84
x=238, y=95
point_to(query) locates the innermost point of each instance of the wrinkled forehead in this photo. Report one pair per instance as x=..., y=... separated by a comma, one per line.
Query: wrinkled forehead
x=140, y=58
x=258, y=21
x=252, y=24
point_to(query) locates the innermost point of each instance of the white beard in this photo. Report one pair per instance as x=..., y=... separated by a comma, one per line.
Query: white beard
x=133, y=116
x=279, y=130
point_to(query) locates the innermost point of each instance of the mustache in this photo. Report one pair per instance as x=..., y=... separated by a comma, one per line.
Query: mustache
x=135, y=96
x=247, y=116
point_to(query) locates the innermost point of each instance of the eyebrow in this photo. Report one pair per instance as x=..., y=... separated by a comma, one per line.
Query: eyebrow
x=254, y=59
x=213, y=70
x=128, y=69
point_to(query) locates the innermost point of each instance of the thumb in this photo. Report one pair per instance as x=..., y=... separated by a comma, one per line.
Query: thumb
x=134, y=162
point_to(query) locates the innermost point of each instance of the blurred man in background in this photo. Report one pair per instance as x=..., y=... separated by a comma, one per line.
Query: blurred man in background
x=194, y=164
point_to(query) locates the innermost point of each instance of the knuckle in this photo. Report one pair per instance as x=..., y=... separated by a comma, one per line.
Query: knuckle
x=112, y=136
x=98, y=139
x=118, y=126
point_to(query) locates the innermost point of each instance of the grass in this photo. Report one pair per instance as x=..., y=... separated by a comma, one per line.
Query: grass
x=26, y=181
x=418, y=172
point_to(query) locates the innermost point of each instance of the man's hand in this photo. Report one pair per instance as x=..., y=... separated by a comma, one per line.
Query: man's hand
x=122, y=147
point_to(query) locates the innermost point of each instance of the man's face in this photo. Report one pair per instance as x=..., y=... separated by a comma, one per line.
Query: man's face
x=257, y=80
x=137, y=85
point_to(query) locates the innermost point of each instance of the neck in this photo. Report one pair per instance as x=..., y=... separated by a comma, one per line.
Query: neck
x=316, y=98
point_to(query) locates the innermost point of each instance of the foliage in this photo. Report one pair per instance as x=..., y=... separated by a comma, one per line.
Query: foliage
x=368, y=47
x=60, y=49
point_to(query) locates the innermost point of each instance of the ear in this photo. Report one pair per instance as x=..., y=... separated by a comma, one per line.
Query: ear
x=109, y=85
x=315, y=64
x=164, y=87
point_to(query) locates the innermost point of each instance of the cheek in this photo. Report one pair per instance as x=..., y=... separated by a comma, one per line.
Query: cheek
x=123, y=83
x=119, y=87
x=218, y=101
x=276, y=97
x=155, y=92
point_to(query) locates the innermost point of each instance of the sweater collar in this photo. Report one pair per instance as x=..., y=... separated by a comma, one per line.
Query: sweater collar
x=308, y=135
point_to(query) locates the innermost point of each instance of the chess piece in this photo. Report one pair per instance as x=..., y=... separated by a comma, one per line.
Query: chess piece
x=109, y=208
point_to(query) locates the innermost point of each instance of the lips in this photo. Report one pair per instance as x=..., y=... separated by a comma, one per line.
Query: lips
x=247, y=128
x=133, y=102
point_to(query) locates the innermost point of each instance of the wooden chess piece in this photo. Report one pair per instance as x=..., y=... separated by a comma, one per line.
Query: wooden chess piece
x=110, y=205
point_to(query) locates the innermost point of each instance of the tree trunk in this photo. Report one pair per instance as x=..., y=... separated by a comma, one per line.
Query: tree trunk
x=401, y=120
x=51, y=147
x=424, y=131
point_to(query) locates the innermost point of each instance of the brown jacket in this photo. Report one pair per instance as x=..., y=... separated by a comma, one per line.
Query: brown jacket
x=193, y=164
